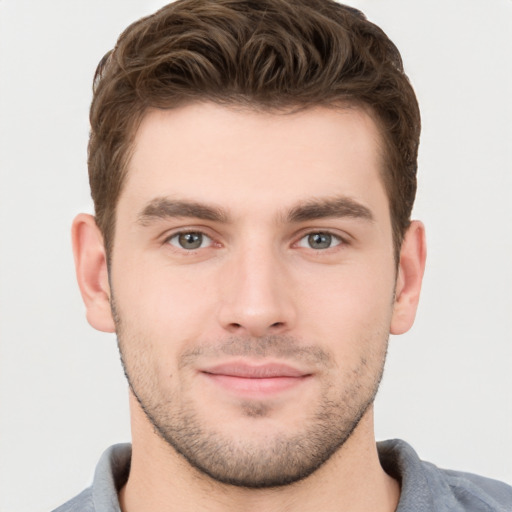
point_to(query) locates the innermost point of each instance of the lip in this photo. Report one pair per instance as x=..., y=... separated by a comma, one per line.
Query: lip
x=255, y=379
x=255, y=371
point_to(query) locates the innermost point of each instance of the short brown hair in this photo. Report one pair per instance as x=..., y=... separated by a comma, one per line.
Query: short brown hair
x=265, y=54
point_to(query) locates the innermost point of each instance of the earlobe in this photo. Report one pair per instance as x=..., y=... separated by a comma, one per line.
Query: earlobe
x=410, y=275
x=92, y=272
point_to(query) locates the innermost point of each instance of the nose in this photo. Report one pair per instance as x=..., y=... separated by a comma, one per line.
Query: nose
x=257, y=294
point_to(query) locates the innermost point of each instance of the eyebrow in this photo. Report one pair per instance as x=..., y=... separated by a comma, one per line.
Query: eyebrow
x=162, y=208
x=330, y=207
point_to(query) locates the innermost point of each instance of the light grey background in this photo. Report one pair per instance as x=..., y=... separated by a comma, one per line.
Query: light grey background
x=448, y=383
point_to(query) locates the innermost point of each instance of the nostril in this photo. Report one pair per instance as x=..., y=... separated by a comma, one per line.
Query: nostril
x=234, y=326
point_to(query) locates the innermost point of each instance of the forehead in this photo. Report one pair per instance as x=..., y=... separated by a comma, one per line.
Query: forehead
x=241, y=158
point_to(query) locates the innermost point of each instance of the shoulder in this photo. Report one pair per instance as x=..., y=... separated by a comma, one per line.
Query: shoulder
x=476, y=492
x=81, y=503
x=426, y=487
x=110, y=476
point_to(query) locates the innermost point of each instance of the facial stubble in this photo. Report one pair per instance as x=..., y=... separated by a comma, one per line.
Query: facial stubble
x=280, y=458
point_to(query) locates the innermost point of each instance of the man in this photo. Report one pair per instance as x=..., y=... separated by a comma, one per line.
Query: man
x=253, y=169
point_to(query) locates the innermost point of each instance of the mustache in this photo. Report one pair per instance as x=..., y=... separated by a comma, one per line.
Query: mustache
x=273, y=346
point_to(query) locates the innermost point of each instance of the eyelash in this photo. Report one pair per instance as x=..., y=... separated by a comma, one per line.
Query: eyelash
x=339, y=241
x=188, y=232
x=336, y=239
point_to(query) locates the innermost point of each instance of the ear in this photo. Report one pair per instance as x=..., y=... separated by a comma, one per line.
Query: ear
x=92, y=272
x=411, y=267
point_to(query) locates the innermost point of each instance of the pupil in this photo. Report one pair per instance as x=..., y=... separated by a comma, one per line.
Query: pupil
x=191, y=240
x=320, y=240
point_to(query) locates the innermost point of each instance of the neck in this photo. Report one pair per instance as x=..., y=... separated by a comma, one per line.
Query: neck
x=162, y=481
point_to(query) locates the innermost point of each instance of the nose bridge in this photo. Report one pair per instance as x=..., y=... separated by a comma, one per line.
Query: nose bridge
x=256, y=295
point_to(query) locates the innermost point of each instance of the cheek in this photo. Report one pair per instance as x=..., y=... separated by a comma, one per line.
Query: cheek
x=163, y=306
x=348, y=303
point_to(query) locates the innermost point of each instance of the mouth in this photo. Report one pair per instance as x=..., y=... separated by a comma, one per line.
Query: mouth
x=255, y=380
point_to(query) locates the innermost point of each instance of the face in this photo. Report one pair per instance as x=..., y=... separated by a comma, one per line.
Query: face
x=252, y=281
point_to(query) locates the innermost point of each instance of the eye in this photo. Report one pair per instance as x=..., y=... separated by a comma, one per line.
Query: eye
x=319, y=240
x=190, y=240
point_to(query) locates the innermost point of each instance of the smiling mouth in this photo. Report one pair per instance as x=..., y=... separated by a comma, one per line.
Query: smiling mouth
x=260, y=380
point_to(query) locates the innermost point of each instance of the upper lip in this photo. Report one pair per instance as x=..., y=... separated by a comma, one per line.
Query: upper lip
x=255, y=371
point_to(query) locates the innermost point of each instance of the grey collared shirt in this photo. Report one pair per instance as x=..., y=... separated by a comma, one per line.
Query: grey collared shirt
x=424, y=487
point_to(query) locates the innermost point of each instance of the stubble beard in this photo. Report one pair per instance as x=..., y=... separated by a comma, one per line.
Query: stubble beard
x=279, y=459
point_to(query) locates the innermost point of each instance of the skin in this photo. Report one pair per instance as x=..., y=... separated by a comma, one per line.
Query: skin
x=257, y=291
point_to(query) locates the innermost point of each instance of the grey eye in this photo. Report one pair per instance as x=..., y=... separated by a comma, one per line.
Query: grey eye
x=190, y=240
x=319, y=241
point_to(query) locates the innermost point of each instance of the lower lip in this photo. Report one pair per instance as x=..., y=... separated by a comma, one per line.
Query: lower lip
x=252, y=386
